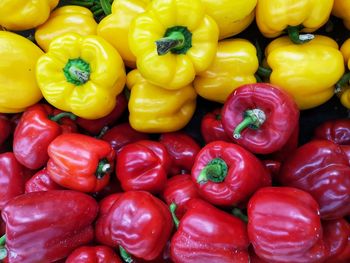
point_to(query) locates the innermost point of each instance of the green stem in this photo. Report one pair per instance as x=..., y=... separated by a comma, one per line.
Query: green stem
x=172, y=211
x=238, y=213
x=103, y=168
x=345, y=80
x=102, y=132
x=175, y=40
x=2, y=240
x=258, y=79
x=77, y=71
x=294, y=35
x=125, y=255
x=215, y=171
x=106, y=6
x=264, y=72
x=259, y=52
x=58, y=117
x=252, y=119
x=3, y=250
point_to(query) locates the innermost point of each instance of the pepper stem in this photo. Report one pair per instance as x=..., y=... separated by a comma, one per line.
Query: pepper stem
x=77, y=71
x=172, y=211
x=345, y=79
x=125, y=255
x=238, y=213
x=252, y=119
x=106, y=7
x=264, y=72
x=58, y=117
x=3, y=250
x=215, y=171
x=103, y=168
x=294, y=35
x=102, y=132
x=175, y=40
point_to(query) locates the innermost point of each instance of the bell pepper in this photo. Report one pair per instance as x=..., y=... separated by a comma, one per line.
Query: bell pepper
x=343, y=85
x=275, y=16
x=211, y=127
x=143, y=165
x=284, y=225
x=182, y=149
x=273, y=167
x=260, y=117
x=235, y=64
x=5, y=128
x=322, y=169
x=47, y=226
x=207, y=234
x=37, y=128
x=11, y=178
x=308, y=72
x=93, y=254
x=136, y=222
x=173, y=41
x=227, y=174
x=63, y=20
x=41, y=181
x=18, y=88
x=173, y=111
x=341, y=9
x=81, y=74
x=18, y=15
x=337, y=131
x=80, y=162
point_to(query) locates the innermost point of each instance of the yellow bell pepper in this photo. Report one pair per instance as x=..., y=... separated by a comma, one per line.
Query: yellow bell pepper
x=234, y=65
x=154, y=109
x=341, y=9
x=275, y=16
x=118, y=23
x=18, y=86
x=308, y=72
x=173, y=41
x=64, y=20
x=343, y=85
x=22, y=15
x=82, y=75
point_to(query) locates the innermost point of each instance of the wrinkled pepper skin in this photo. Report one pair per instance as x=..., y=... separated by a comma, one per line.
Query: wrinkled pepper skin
x=18, y=88
x=226, y=174
x=182, y=149
x=260, y=117
x=80, y=162
x=33, y=134
x=11, y=178
x=234, y=65
x=337, y=131
x=322, y=169
x=47, y=226
x=297, y=69
x=207, y=234
x=284, y=225
x=63, y=20
x=96, y=254
x=344, y=92
x=341, y=9
x=186, y=42
x=212, y=129
x=18, y=15
x=136, y=221
x=41, y=181
x=93, y=75
x=274, y=16
x=174, y=109
x=5, y=128
x=143, y=165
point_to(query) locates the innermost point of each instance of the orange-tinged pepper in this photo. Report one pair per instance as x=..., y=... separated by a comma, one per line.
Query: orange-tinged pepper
x=341, y=9
x=343, y=85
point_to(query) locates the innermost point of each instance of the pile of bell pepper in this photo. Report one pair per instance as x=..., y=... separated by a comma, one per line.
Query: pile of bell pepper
x=177, y=131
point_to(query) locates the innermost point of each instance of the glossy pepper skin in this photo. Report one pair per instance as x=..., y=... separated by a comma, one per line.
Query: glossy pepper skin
x=41, y=181
x=93, y=254
x=341, y=9
x=173, y=41
x=260, y=117
x=137, y=221
x=47, y=226
x=212, y=129
x=5, y=128
x=234, y=65
x=284, y=225
x=343, y=85
x=18, y=88
x=36, y=129
x=226, y=174
x=18, y=15
x=207, y=234
x=322, y=169
x=93, y=75
x=63, y=20
x=80, y=162
x=143, y=165
x=297, y=69
x=337, y=131
x=182, y=149
x=174, y=109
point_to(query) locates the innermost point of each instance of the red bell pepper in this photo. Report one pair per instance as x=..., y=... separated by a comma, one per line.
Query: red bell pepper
x=143, y=165
x=284, y=226
x=80, y=162
x=47, y=226
x=182, y=149
x=5, y=128
x=41, y=181
x=11, y=178
x=212, y=129
x=34, y=132
x=94, y=127
x=96, y=254
x=321, y=168
x=121, y=135
x=179, y=189
x=136, y=222
x=337, y=131
x=207, y=234
x=260, y=117
x=273, y=167
x=227, y=174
